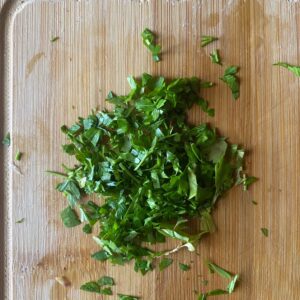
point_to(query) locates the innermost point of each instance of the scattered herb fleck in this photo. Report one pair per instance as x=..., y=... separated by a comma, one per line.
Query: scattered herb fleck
x=18, y=156
x=294, y=69
x=184, y=267
x=106, y=280
x=165, y=263
x=127, y=297
x=215, y=57
x=254, y=202
x=6, y=140
x=95, y=287
x=149, y=41
x=54, y=39
x=206, y=39
x=87, y=228
x=232, y=81
x=265, y=231
x=69, y=217
x=247, y=181
x=20, y=221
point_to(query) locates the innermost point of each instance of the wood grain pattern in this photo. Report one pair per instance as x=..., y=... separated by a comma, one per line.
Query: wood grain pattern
x=99, y=47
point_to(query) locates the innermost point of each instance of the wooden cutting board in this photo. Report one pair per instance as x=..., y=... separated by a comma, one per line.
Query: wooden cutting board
x=99, y=45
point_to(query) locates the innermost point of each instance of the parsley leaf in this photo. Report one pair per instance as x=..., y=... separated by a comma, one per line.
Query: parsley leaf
x=20, y=221
x=100, y=255
x=149, y=41
x=106, y=280
x=6, y=140
x=206, y=39
x=91, y=286
x=87, y=228
x=265, y=231
x=18, y=156
x=54, y=39
x=220, y=271
x=165, y=263
x=184, y=267
x=215, y=57
x=232, y=81
x=69, y=217
x=127, y=297
x=294, y=69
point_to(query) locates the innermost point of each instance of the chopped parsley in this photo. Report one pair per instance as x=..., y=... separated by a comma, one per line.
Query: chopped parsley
x=184, y=267
x=149, y=41
x=155, y=171
x=215, y=57
x=292, y=68
x=6, y=140
x=206, y=39
x=265, y=231
x=232, y=81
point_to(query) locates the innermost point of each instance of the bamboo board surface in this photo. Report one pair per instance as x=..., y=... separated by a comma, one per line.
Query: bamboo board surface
x=99, y=46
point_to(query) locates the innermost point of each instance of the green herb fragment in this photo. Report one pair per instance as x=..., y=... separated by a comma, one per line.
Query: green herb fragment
x=6, y=140
x=87, y=228
x=100, y=255
x=204, y=106
x=149, y=41
x=206, y=84
x=20, y=221
x=54, y=39
x=294, y=69
x=106, y=280
x=184, y=267
x=220, y=271
x=203, y=296
x=69, y=217
x=232, y=81
x=206, y=39
x=232, y=284
x=97, y=287
x=265, y=231
x=254, y=202
x=165, y=263
x=142, y=265
x=91, y=286
x=217, y=292
x=127, y=297
x=154, y=171
x=247, y=181
x=204, y=282
x=18, y=156
x=215, y=57
x=225, y=274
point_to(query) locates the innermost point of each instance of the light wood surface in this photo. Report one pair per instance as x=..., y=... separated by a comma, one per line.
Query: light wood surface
x=99, y=46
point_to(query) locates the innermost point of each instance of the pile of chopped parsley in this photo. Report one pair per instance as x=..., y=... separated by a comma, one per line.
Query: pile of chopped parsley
x=152, y=170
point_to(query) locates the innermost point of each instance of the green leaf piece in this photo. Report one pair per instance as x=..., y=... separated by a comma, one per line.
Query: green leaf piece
x=149, y=41
x=18, y=156
x=220, y=271
x=165, y=263
x=184, y=267
x=69, y=217
x=6, y=140
x=232, y=81
x=265, y=231
x=207, y=39
x=106, y=280
x=127, y=297
x=292, y=68
x=215, y=57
